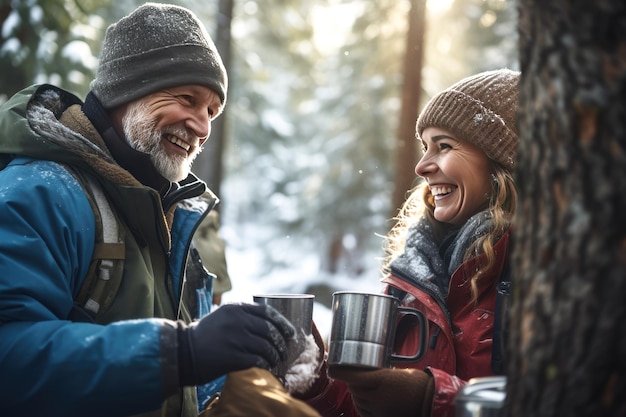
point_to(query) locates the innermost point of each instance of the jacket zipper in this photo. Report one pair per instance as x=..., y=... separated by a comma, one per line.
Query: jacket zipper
x=182, y=273
x=435, y=296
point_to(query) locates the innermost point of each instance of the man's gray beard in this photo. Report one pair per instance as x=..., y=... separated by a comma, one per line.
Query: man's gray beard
x=143, y=135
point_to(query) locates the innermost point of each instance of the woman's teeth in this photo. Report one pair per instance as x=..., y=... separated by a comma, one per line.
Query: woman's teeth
x=435, y=191
x=176, y=141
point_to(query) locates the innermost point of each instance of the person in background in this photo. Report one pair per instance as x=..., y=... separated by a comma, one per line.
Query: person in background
x=212, y=250
x=131, y=348
x=446, y=256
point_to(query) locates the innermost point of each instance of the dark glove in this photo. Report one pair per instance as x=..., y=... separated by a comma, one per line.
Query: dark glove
x=388, y=392
x=232, y=338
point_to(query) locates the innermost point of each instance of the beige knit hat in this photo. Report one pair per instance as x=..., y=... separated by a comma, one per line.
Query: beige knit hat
x=482, y=109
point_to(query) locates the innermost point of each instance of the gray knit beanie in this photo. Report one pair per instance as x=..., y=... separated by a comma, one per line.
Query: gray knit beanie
x=155, y=47
x=482, y=109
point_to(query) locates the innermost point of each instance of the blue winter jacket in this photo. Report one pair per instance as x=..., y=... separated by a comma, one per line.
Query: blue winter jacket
x=50, y=365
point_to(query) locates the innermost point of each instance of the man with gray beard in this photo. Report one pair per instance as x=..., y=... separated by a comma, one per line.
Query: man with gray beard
x=144, y=135
x=136, y=339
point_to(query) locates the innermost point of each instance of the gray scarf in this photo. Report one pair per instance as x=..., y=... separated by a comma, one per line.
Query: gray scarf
x=426, y=263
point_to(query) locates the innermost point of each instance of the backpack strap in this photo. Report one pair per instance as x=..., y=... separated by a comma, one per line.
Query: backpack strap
x=106, y=267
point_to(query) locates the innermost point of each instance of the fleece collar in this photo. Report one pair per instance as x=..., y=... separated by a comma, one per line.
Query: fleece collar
x=135, y=162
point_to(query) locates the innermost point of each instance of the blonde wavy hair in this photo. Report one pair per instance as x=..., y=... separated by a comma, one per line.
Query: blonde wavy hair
x=420, y=203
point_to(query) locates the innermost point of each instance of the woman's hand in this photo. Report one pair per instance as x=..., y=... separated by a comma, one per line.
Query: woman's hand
x=387, y=392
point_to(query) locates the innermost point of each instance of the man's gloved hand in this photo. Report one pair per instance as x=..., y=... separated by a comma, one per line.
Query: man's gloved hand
x=232, y=338
x=388, y=392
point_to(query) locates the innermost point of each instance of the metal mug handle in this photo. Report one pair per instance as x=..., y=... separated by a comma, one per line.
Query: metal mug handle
x=423, y=336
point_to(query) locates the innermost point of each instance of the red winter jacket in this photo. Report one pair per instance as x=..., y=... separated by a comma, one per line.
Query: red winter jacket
x=459, y=339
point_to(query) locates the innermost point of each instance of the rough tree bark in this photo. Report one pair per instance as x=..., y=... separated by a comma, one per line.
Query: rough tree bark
x=406, y=149
x=568, y=332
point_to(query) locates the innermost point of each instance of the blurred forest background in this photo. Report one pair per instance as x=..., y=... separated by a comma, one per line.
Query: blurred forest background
x=316, y=147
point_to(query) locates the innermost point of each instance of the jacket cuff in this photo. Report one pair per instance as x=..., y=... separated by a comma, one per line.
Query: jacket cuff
x=169, y=358
x=446, y=389
x=317, y=389
x=329, y=397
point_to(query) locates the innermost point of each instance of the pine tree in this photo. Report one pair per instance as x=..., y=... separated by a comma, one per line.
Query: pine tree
x=51, y=41
x=568, y=335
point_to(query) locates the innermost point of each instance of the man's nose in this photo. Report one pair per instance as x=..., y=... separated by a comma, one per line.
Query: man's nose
x=200, y=123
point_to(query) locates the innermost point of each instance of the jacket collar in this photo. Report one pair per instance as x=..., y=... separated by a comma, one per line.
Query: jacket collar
x=135, y=162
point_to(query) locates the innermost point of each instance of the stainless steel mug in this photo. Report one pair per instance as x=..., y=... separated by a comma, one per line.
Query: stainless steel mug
x=481, y=397
x=298, y=309
x=363, y=330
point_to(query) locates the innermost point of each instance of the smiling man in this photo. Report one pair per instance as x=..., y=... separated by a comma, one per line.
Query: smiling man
x=171, y=126
x=97, y=212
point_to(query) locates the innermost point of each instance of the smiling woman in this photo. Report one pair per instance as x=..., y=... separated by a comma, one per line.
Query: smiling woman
x=458, y=174
x=446, y=256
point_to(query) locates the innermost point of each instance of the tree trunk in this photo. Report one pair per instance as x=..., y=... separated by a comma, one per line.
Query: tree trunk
x=209, y=165
x=568, y=331
x=407, y=150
